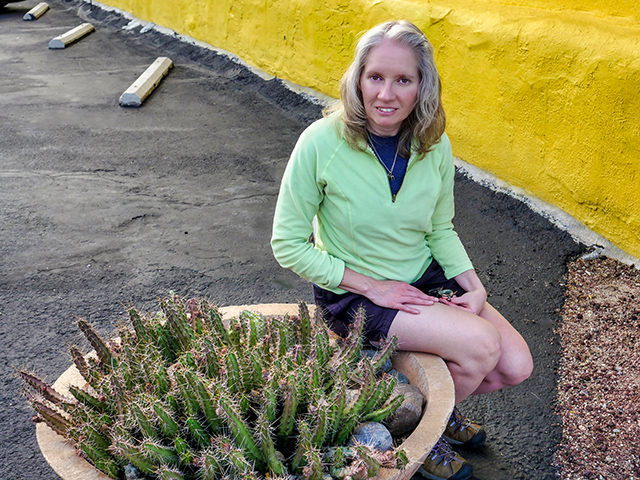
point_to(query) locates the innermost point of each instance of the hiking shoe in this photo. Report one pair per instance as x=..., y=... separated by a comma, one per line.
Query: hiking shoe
x=462, y=432
x=445, y=464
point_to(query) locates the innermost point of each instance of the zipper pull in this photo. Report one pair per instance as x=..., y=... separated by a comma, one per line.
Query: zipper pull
x=393, y=198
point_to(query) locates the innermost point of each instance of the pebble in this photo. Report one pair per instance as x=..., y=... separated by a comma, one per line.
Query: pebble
x=406, y=418
x=400, y=376
x=373, y=434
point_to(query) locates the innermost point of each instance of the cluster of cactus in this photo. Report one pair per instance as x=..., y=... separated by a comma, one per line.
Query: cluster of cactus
x=181, y=395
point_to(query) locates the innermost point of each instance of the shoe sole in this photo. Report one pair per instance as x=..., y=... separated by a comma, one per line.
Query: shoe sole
x=476, y=441
x=465, y=473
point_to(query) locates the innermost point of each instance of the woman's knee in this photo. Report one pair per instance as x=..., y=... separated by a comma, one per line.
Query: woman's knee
x=489, y=343
x=518, y=368
x=482, y=353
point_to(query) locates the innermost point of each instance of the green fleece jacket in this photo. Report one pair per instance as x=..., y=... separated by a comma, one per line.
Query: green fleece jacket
x=359, y=225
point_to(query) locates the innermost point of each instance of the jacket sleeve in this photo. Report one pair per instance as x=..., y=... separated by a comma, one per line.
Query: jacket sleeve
x=443, y=241
x=301, y=193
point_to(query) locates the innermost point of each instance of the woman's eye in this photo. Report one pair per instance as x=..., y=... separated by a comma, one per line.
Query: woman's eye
x=405, y=81
x=375, y=77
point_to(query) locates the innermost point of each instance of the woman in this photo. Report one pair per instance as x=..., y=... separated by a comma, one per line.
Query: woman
x=377, y=174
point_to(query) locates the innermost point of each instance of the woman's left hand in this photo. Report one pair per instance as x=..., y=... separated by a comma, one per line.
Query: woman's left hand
x=472, y=301
x=475, y=297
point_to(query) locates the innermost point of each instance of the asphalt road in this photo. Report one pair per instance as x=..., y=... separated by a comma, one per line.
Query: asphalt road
x=102, y=207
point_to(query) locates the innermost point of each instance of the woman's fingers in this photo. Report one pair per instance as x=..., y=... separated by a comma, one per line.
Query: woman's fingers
x=400, y=296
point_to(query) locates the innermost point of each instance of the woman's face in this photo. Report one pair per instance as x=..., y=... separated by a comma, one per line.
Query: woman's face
x=389, y=84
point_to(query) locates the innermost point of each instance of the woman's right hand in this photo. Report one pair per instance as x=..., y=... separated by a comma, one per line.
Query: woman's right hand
x=400, y=296
x=386, y=293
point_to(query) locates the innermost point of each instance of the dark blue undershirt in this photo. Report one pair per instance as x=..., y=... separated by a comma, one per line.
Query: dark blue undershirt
x=386, y=148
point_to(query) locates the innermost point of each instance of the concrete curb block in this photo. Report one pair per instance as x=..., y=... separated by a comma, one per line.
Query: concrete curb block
x=71, y=36
x=144, y=85
x=36, y=12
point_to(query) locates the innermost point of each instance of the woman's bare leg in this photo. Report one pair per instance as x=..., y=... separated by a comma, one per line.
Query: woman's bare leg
x=470, y=345
x=515, y=364
x=483, y=353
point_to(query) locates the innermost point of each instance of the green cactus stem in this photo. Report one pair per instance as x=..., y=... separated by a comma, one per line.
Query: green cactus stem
x=234, y=375
x=234, y=459
x=138, y=326
x=158, y=453
x=401, y=459
x=337, y=411
x=95, y=437
x=53, y=418
x=313, y=468
x=189, y=397
x=119, y=396
x=287, y=419
x=80, y=362
x=365, y=454
x=168, y=426
x=134, y=455
x=195, y=316
x=385, y=353
x=218, y=328
x=263, y=430
x=212, y=360
x=205, y=399
x=186, y=454
x=178, y=324
x=299, y=460
x=100, y=458
x=90, y=401
x=270, y=395
x=382, y=413
x=104, y=354
x=348, y=425
x=366, y=390
x=209, y=466
x=142, y=420
x=305, y=325
x=167, y=473
x=198, y=433
x=240, y=430
x=320, y=431
x=45, y=390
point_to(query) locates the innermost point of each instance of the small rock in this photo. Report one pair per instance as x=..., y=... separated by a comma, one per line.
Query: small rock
x=132, y=473
x=351, y=395
x=400, y=376
x=406, y=418
x=373, y=434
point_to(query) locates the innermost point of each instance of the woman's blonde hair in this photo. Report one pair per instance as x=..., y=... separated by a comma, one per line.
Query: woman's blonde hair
x=425, y=124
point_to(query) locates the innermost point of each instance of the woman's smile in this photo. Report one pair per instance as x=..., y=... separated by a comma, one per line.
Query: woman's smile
x=389, y=85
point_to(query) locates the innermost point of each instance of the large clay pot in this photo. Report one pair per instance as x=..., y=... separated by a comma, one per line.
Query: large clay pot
x=428, y=372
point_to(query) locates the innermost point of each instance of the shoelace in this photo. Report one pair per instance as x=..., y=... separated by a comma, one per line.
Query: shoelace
x=442, y=453
x=458, y=421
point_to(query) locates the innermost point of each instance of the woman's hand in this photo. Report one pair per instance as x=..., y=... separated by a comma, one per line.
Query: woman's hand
x=398, y=295
x=386, y=293
x=475, y=297
x=472, y=301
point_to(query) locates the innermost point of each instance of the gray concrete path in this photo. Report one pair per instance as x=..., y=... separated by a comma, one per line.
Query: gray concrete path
x=102, y=207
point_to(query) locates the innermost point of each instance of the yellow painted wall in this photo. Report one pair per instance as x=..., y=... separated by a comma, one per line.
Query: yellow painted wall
x=544, y=94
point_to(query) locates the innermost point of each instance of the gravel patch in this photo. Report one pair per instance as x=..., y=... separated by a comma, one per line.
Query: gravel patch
x=599, y=388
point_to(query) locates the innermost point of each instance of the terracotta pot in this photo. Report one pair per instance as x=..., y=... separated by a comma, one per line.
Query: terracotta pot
x=428, y=372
